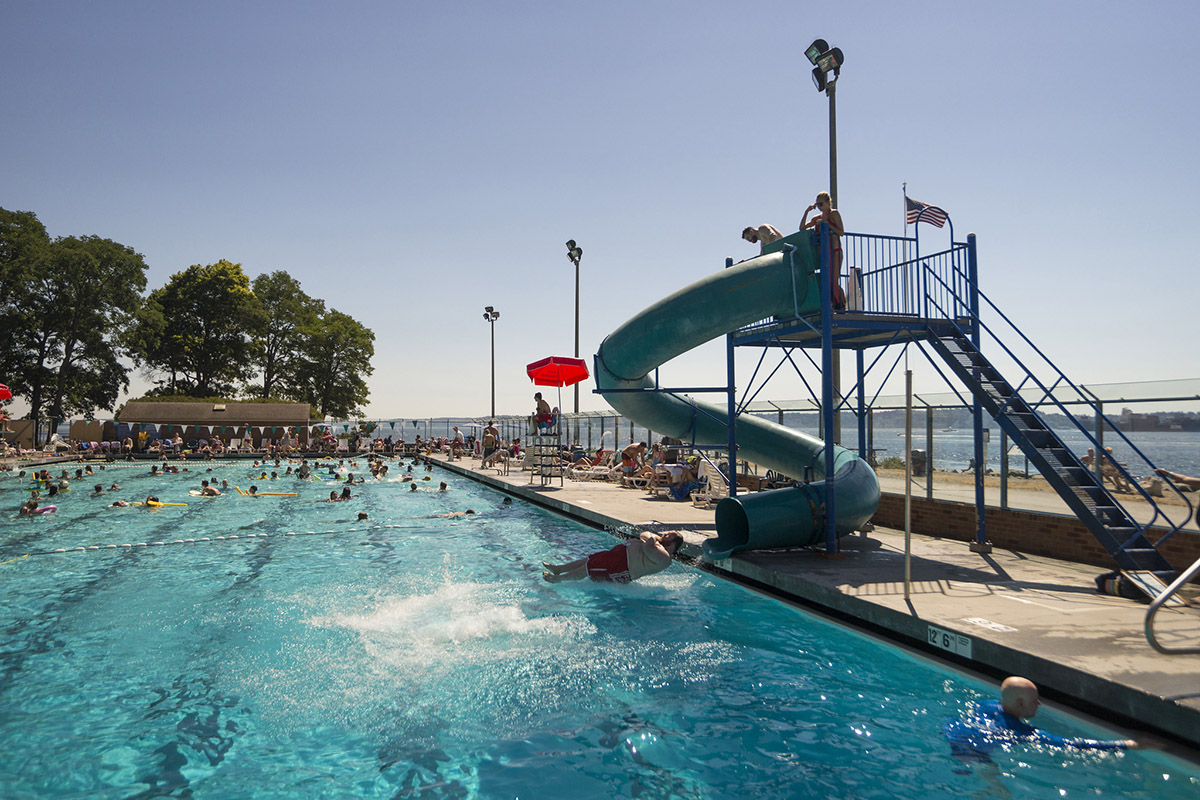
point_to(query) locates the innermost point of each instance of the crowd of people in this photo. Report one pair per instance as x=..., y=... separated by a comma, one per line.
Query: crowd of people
x=46, y=489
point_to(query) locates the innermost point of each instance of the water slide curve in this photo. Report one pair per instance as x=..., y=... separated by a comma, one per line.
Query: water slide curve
x=784, y=284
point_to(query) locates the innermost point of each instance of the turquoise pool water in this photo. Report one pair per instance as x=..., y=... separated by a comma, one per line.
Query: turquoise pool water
x=424, y=657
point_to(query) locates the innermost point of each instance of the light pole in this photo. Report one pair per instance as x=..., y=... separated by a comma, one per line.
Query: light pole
x=574, y=253
x=491, y=315
x=827, y=65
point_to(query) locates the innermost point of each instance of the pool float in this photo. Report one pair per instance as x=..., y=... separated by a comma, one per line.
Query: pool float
x=47, y=509
x=156, y=504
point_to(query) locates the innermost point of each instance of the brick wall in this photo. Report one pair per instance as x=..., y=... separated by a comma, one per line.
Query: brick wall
x=1050, y=535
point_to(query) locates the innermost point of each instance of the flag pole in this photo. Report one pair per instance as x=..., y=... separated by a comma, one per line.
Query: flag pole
x=904, y=186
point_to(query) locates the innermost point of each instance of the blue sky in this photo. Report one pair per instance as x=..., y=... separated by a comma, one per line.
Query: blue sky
x=411, y=163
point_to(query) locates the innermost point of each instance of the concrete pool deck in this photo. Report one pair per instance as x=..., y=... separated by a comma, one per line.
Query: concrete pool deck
x=999, y=613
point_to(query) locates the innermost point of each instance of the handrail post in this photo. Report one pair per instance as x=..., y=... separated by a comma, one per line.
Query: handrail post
x=1158, y=602
x=977, y=406
x=732, y=476
x=862, y=406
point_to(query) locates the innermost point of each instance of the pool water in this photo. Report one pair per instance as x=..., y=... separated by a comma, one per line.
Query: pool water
x=424, y=657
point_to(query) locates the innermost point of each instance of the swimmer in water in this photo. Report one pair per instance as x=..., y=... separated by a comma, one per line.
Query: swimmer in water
x=997, y=723
x=452, y=514
x=636, y=558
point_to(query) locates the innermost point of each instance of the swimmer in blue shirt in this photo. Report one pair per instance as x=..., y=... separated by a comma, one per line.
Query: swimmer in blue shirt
x=999, y=722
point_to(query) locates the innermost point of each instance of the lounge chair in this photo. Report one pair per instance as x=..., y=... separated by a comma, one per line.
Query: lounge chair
x=635, y=481
x=714, y=486
x=776, y=480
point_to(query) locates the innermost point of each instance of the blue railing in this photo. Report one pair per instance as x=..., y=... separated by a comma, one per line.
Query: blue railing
x=1045, y=395
x=897, y=279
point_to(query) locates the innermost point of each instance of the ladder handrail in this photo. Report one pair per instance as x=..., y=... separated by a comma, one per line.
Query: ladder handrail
x=1173, y=527
x=1158, y=603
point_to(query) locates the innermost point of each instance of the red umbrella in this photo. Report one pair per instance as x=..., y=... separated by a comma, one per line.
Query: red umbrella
x=557, y=371
x=6, y=393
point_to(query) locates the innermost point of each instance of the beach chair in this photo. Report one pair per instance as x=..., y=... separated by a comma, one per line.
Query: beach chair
x=661, y=485
x=776, y=480
x=635, y=481
x=714, y=486
x=580, y=473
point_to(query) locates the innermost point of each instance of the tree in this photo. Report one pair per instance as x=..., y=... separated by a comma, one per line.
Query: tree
x=75, y=296
x=102, y=286
x=23, y=239
x=278, y=350
x=337, y=355
x=197, y=330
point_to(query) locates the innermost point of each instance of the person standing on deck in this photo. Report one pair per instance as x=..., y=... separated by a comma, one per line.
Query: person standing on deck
x=824, y=205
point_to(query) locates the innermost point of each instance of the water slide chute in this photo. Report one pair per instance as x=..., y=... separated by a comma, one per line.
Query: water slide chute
x=782, y=284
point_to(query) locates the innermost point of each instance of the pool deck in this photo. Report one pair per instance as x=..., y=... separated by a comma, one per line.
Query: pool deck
x=999, y=613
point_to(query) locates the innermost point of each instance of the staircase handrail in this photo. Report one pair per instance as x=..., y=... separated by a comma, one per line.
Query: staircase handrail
x=1158, y=603
x=1099, y=450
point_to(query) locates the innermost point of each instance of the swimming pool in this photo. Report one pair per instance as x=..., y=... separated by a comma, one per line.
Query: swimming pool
x=424, y=657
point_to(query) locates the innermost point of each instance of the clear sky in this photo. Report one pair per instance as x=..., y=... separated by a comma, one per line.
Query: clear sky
x=410, y=163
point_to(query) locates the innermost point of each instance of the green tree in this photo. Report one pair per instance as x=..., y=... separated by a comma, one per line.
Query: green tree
x=102, y=284
x=278, y=350
x=75, y=297
x=23, y=240
x=337, y=357
x=196, y=331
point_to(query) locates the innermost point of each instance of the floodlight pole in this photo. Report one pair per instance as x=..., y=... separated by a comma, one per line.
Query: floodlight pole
x=492, y=325
x=575, y=255
x=836, y=365
x=577, y=329
x=491, y=315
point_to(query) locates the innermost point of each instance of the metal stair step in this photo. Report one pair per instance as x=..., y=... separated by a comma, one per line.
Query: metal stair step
x=1110, y=524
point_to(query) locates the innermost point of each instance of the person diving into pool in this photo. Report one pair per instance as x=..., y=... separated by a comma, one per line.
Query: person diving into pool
x=996, y=723
x=636, y=558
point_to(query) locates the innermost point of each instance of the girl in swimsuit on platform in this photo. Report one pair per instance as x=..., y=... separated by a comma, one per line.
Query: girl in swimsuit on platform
x=831, y=215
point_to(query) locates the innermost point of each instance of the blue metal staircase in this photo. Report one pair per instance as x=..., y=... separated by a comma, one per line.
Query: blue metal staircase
x=1123, y=537
x=934, y=299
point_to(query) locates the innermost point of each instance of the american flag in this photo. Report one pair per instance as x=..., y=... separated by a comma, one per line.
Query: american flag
x=934, y=216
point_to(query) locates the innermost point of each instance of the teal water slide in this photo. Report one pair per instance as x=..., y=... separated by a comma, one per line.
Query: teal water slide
x=778, y=284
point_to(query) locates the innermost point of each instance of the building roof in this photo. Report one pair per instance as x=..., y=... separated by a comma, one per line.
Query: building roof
x=215, y=414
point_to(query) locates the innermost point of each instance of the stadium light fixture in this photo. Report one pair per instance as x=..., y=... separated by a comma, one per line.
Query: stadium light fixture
x=825, y=60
